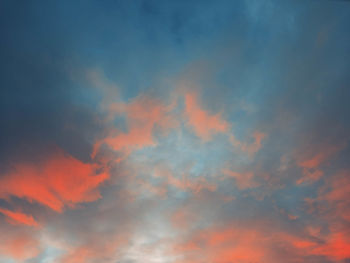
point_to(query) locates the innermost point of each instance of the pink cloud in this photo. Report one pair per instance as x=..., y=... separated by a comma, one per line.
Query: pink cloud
x=144, y=116
x=19, y=218
x=203, y=123
x=95, y=249
x=250, y=148
x=18, y=245
x=185, y=182
x=310, y=162
x=243, y=180
x=58, y=181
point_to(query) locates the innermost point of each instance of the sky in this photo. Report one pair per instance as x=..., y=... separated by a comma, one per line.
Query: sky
x=175, y=131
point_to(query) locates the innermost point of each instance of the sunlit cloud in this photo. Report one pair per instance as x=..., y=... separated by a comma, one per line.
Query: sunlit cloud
x=175, y=132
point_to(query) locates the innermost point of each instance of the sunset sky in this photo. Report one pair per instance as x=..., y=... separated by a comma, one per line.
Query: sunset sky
x=175, y=131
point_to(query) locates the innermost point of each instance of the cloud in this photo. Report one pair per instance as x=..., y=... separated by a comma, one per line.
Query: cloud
x=144, y=115
x=18, y=244
x=183, y=181
x=337, y=247
x=94, y=250
x=324, y=154
x=310, y=161
x=19, y=218
x=243, y=243
x=191, y=140
x=203, y=123
x=243, y=180
x=250, y=148
x=331, y=206
x=50, y=181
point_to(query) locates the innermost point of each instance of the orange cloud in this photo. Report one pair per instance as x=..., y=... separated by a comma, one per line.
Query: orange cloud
x=183, y=217
x=144, y=116
x=204, y=124
x=256, y=145
x=310, y=176
x=195, y=185
x=58, y=181
x=310, y=163
x=164, y=180
x=243, y=180
x=317, y=159
x=337, y=195
x=19, y=246
x=78, y=255
x=95, y=250
x=337, y=247
x=184, y=182
x=155, y=189
x=250, y=148
x=340, y=185
x=225, y=244
x=257, y=243
x=19, y=218
x=333, y=206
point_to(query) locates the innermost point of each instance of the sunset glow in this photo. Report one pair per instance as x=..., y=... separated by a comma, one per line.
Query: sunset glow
x=175, y=131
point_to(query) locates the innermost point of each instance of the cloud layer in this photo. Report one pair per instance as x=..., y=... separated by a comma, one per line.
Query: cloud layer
x=174, y=132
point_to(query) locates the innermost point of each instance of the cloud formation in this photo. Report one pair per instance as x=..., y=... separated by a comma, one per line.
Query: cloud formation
x=50, y=181
x=174, y=132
